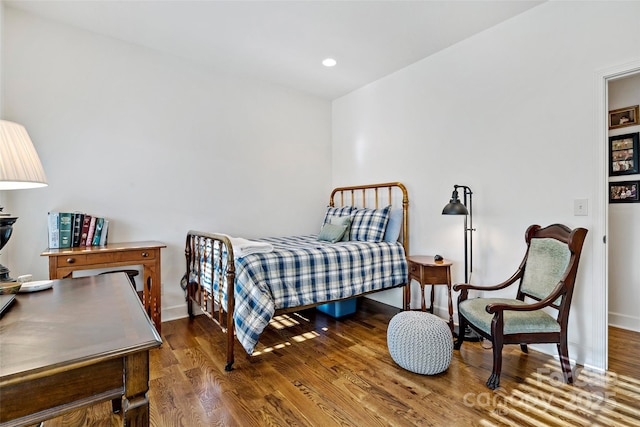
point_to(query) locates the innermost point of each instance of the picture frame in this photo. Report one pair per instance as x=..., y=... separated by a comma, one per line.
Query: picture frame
x=622, y=117
x=624, y=192
x=623, y=154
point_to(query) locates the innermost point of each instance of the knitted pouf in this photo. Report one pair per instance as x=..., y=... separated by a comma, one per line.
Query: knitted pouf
x=420, y=342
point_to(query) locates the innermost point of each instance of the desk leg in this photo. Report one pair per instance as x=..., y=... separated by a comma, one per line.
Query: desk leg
x=135, y=402
x=152, y=291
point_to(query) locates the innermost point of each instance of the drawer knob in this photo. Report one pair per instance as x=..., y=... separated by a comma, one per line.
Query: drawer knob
x=145, y=254
x=71, y=260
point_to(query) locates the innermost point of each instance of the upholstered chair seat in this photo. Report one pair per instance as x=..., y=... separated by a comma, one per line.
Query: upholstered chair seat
x=515, y=322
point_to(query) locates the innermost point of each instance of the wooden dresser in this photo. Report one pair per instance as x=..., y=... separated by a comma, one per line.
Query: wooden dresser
x=63, y=262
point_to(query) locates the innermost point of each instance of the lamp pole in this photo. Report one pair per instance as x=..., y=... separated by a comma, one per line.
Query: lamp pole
x=467, y=200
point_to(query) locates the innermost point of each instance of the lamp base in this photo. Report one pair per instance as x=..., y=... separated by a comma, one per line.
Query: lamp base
x=4, y=274
x=6, y=228
x=469, y=334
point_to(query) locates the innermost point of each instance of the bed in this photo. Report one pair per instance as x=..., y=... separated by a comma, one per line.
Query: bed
x=360, y=248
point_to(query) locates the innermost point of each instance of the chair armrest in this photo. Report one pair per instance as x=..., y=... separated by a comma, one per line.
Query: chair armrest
x=465, y=286
x=546, y=302
x=498, y=307
x=506, y=283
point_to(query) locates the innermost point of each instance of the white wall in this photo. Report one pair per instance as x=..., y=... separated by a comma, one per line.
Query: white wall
x=624, y=226
x=157, y=145
x=1, y=90
x=511, y=113
x=1, y=39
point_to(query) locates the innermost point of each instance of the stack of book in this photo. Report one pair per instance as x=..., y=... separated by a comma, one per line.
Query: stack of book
x=76, y=229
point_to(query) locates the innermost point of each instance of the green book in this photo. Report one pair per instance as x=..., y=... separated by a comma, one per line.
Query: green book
x=97, y=232
x=65, y=229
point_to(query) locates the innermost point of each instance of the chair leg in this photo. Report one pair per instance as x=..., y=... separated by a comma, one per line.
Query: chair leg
x=524, y=348
x=565, y=364
x=494, y=380
x=462, y=326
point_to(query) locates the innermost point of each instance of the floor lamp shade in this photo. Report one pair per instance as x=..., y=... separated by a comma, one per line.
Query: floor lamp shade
x=20, y=166
x=455, y=207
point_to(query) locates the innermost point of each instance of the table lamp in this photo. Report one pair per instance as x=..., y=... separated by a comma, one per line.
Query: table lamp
x=20, y=168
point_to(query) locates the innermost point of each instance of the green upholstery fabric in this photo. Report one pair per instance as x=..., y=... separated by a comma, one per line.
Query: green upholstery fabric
x=546, y=263
x=514, y=321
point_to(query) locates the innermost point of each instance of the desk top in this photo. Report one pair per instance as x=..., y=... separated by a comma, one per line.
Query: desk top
x=75, y=322
x=111, y=247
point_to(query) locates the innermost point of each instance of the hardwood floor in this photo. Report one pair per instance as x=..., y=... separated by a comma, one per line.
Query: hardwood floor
x=313, y=370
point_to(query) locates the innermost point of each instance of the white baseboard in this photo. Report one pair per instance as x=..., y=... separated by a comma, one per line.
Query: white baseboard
x=174, y=313
x=624, y=321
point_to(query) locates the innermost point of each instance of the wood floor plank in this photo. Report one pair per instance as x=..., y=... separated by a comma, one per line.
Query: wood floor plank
x=312, y=370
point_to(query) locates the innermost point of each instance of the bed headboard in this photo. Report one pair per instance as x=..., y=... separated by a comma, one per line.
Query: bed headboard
x=376, y=196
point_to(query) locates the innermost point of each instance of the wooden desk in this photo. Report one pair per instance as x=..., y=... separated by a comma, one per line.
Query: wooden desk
x=426, y=271
x=63, y=262
x=84, y=341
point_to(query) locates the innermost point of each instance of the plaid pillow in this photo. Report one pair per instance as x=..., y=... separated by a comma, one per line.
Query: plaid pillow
x=369, y=225
x=336, y=213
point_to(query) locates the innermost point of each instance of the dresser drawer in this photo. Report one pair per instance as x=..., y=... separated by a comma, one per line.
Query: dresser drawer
x=94, y=258
x=436, y=276
x=69, y=260
x=427, y=274
x=135, y=255
x=414, y=271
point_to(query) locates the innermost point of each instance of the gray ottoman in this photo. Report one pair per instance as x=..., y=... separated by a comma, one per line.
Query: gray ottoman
x=420, y=342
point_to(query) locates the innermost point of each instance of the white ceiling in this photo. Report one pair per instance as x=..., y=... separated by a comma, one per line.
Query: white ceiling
x=284, y=42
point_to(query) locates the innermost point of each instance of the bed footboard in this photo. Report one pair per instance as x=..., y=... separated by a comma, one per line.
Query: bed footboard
x=210, y=271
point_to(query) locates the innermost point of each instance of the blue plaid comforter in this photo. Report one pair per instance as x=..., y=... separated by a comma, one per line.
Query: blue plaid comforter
x=302, y=270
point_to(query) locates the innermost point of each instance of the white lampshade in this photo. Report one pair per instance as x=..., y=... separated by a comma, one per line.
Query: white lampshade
x=20, y=166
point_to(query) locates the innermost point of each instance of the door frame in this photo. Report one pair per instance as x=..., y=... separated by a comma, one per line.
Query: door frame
x=601, y=219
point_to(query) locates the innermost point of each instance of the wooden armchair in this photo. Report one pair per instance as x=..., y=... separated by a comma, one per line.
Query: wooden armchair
x=546, y=277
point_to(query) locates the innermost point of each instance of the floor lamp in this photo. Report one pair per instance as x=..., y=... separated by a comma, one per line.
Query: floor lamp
x=20, y=168
x=455, y=207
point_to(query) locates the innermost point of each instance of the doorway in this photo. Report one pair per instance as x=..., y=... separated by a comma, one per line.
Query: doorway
x=618, y=233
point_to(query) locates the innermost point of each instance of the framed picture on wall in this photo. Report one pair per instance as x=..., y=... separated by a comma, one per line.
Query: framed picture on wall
x=624, y=192
x=623, y=154
x=627, y=116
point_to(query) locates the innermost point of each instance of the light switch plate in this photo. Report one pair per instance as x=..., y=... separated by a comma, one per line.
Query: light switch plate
x=581, y=207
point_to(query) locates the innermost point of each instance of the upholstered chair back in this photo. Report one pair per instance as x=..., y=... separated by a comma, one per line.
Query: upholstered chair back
x=546, y=266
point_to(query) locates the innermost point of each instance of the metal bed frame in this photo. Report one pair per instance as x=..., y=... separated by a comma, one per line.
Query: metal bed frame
x=202, y=247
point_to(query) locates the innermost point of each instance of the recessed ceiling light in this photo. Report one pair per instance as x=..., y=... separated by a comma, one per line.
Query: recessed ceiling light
x=329, y=62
